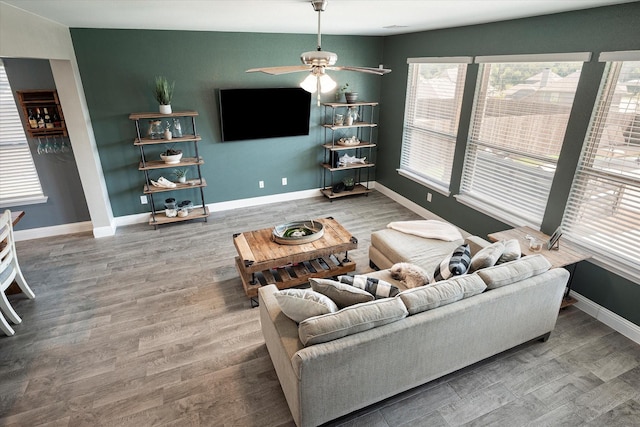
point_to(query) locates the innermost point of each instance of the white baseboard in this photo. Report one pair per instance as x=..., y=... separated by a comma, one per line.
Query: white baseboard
x=99, y=232
x=54, y=230
x=425, y=213
x=608, y=317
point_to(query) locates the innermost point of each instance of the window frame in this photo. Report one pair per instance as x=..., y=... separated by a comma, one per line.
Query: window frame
x=516, y=213
x=444, y=143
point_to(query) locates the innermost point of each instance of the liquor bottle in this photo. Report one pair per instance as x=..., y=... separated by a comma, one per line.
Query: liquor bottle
x=48, y=123
x=33, y=123
x=39, y=119
x=56, y=119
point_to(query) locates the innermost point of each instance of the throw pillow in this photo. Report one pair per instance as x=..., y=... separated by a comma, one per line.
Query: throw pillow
x=514, y=271
x=511, y=251
x=351, y=320
x=342, y=294
x=486, y=257
x=429, y=297
x=300, y=304
x=455, y=264
x=376, y=287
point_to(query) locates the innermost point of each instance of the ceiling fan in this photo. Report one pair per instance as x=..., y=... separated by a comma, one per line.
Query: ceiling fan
x=317, y=62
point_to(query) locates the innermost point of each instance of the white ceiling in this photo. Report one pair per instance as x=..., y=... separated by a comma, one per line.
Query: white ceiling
x=353, y=17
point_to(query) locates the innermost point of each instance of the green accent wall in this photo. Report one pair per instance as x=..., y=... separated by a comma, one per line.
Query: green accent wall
x=595, y=30
x=118, y=67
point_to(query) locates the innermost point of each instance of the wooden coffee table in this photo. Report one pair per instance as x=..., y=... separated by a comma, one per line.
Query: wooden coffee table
x=262, y=261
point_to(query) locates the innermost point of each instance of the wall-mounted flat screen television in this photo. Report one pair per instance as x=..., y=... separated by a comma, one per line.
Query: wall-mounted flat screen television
x=264, y=113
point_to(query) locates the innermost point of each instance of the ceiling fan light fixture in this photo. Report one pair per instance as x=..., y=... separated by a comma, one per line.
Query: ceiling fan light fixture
x=310, y=83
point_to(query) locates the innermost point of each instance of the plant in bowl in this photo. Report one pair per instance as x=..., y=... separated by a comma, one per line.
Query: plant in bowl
x=181, y=174
x=171, y=156
x=163, y=92
x=349, y=183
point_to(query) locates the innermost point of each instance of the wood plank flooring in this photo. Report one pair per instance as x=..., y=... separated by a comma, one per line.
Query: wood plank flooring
x=152, y=328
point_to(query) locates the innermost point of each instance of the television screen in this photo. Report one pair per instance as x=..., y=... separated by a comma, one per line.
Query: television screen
x=264, y=113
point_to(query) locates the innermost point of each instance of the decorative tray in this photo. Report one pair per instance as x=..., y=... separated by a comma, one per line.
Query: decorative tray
x=298, y=232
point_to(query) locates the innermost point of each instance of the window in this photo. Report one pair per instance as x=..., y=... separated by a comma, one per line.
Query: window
x=520, y=115
x=19, y=182
x=603, y=209
x=432, y=111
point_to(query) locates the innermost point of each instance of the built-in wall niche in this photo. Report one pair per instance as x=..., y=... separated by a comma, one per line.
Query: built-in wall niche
x=42, y=112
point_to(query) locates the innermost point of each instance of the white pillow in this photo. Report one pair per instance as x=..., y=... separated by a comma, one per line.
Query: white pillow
x=511, y=252
x=486, y=257
x=342, y=294
x=300, y=304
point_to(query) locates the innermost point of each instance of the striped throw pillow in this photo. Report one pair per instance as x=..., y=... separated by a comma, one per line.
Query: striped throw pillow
x=455, y=264
x=376, y=287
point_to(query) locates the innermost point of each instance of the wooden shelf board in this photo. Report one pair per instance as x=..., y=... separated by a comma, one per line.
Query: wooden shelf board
x=345, y=104
x=149, y=141
x=159, y=164
x=338, y=147
x=153, y=115
x=355, y=125
x=179, y=186
x=161, y=218
x=352, y=166
x=358, y=189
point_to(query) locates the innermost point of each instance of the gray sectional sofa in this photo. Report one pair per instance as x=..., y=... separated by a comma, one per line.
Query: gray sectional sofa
x=330, y=379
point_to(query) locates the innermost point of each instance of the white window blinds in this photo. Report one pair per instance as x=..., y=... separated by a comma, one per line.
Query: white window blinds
x=603, y=210
x=521, y=110
x=435, y=88
x=19, y=182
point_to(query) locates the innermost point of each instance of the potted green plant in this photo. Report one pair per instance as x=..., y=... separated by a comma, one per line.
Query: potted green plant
x=181, y=174
x=163, y=93
x=349, y=183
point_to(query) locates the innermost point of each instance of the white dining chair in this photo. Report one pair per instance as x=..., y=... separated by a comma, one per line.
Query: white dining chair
x=9, y=271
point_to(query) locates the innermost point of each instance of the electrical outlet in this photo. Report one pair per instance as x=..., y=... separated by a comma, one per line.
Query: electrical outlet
x=261, y=184
x=429, y=197
x=284, y=181
x=143, y=200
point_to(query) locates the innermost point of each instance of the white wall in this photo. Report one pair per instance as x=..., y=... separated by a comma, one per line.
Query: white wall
x=24, y=35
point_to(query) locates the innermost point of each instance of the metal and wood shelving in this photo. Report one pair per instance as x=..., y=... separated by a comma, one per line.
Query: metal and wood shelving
x=158, y=216
x=364, y=129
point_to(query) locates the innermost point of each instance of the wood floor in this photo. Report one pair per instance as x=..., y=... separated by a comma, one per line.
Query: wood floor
x=152, y=327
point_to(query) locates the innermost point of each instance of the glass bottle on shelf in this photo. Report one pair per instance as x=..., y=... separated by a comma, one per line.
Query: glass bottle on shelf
x=33, y=123
x=56, y=120
x=39, y=119
x=48, y=123
x=177, y=128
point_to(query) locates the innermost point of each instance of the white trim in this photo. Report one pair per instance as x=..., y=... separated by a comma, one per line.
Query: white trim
x=414, y=207
x=23, y=202
x=621, y=55
x=424, y=182
x=491, y=211
x=54, y=230
x=441, y=60
x=543, y=57
x=608, y=317
x=106, y=231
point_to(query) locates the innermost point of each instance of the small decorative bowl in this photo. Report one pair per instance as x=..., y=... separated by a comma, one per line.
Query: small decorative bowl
x=171, y=159
x=348, y=142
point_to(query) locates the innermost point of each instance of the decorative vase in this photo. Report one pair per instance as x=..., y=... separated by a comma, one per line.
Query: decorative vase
x=165, y=109
x=167, y=135
x=351, y=97
x=182, y=179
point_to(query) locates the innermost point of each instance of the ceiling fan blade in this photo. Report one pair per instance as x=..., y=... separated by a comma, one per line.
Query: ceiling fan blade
x=370, y=70
x=280, y=70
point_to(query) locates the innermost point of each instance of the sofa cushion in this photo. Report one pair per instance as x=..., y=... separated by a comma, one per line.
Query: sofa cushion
x=351, y=320
x=401, y=247
x=299, y=304
x=376, y=287
x=342, y=294
x=431, y=296
x=511, y=252
x=454, y=264
x=514, y=271
x=486, y=257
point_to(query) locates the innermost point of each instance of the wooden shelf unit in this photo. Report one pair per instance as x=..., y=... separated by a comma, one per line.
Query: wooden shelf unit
x=158, y=216
x=41, y=99
x=364, y=129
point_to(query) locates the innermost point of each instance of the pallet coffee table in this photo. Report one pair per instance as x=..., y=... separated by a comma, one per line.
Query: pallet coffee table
x=262, y=261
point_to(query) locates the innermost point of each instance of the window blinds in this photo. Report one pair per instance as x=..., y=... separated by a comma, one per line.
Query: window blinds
x=19, y=182
x=435, y=88
x=518, y=124
x=603, y=209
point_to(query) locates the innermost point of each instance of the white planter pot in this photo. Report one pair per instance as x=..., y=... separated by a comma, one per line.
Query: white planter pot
x=165, y=109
